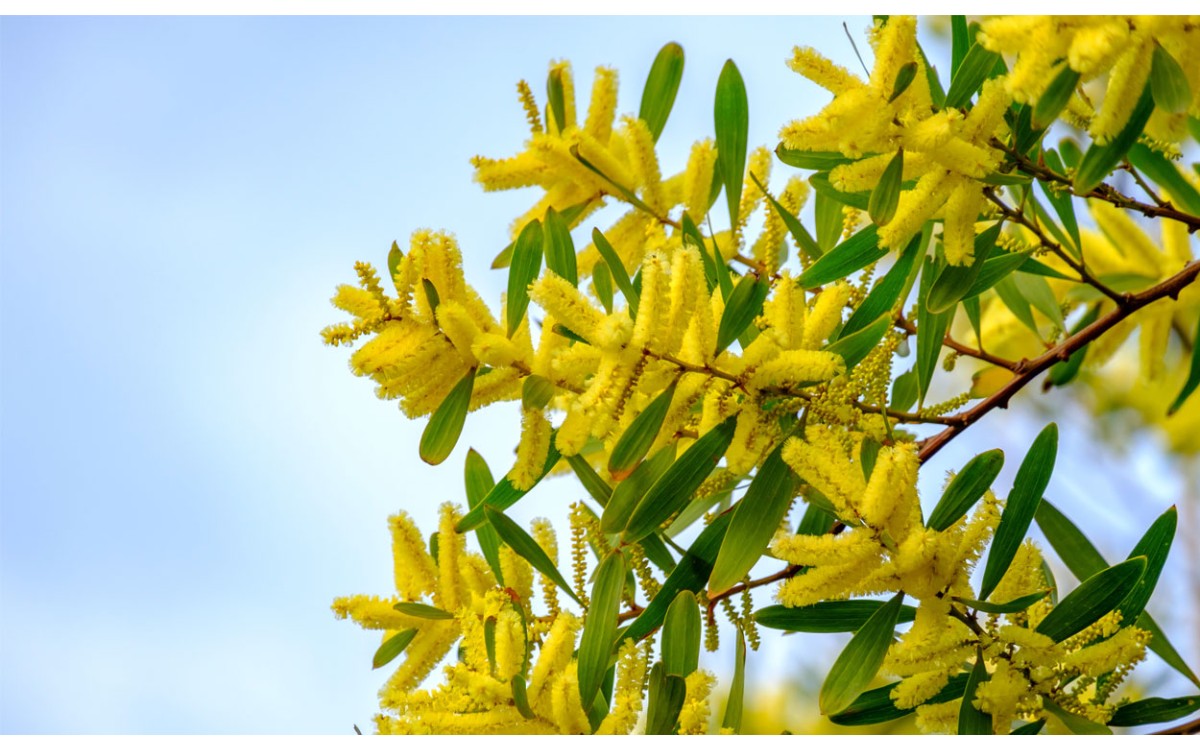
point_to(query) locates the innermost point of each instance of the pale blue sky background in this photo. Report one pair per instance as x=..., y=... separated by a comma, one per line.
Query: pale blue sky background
x=187, y=477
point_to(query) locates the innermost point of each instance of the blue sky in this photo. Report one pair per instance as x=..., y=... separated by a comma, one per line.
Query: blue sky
x=187, y=477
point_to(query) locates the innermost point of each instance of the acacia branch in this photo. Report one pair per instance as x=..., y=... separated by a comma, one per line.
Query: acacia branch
x=950, y=342
x=1029, y=369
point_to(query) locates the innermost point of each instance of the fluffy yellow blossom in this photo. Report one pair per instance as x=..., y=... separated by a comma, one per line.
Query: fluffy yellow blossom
x=693, y=717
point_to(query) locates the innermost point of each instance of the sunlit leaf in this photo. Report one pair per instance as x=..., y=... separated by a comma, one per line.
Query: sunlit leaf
x=1020, y=604
x=1073, y=722
x=859, y=662
x=424, y=611
x=558, y=247
x=1168, y=83
x=1094, y=598
x=524, y=268
x=600, y=626
x=970, y=719
x=662, y=84
x=856, y=253
x=1154, y=711
x=954, y=282
x=731, y=115
x=732, y=719
x=393, y=647
x=1100, y=160
x=664, y=700
x=681, y=635
x=826, y=617
x=1193, y=378
x=630, y=491
x=441, y=434
x=744, y=305
x=504, y=494
x=525, y=546
x=1056, y=96
x=966, y=488
x=977, y=66
x=886, y=195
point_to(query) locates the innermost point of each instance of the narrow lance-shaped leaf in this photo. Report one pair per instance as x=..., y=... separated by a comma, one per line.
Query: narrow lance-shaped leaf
x=558, y=247
x=1168, y=82
x=970, y=719
x=556, y=99
x=826, y=617
x=1055, y=97
x=681, y=635
x=995, y=269
x=441, y=434
x=393, y=647
x=1154, y=545
x=1032, y=728
x=393, y=261
x=1061, y=199
x=662, y=84
x=664, y=700
x=744, y=305
x=1032, y=478
x=960, y=42
x=855, y=347
x=954, y=282
x=524, y=268
x=755, y=520
x=931, y=331
x=536, y=392
x=875, y=706
x=854, y=254
x=1074, y=722
x=617, y=269
x=904, y=78
x=600, y=627
x=521, y=697
x=832, y=222
x=1037, y=290
x=1193, y=378
x=630, y=491
x=819, y=161
x=977, y=66
x=423, y=611
x=892, y=288
x=633, y=444
x=804, y=240
x=1100, y=160
x=859, y=662
x=504, y=494
x=590, y=480
x=1166, y=174
x=732, y=720
x=886, y=195
x=675, y=487
x=966, y=488
x=602, y=280
x=1094, y=598
x=525, y=546
x=1020, y=604
x=731, y=116
x=1154, y=711
x=1014, y=299
x=479, y=482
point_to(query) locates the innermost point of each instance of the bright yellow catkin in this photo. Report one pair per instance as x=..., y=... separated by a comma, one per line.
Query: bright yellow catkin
x=697, y=180
x=414, y=570
x=825, y=314
x=627, y=694
x=452, y=591
x=693, y=717
x=531, y=450
x=828, y=75
x=552, y=660
x=567, y=304
x=603, y=106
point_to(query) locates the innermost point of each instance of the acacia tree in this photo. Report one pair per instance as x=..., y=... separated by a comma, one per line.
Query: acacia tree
x=726, y=399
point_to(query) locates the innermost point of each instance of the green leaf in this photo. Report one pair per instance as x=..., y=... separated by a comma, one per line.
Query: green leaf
x=1163, y=171
x=590, y=480
x=1161, y=645
x=1032, y=478
x=692, y=236
x=804, y=240
x=489, y=643
x=662, y=85
x=731, y=116
x=868, y=453
x=441, y=434
x=960, y=42
x=1071, y=155
x=1168, y=83
x=886, y=195
x=424, y=611
x=826, y=617
x=1094, y=598
x=755, y=519
x=1193, y=378
x=1099, y=160
x=827, y=212
x=393, y=647
x=1154, y=545
x=521, y=697
x=1060, y=198
x=1020, y=604
x=855, y=347
x=664, y=701
x=558, y=247
x=690, y=574
x=970, y=719
x=997, y=267
x=602, y=280
x=479, y=482
x=954, y=282
x=681, y=635
x=858, y=663
x=904, y=391
x=1012, y=297
x=701, y=505
x=657, y=552
x=525, y=266
x=972, y=309
x=1038, y=292
x=1032, y=728
x=635, y=442
x=966, y=488
x=556, y=99
x=503, y=495
x=1073, y=722
x=600, y=627
x=617, y=268
x=904, y=78
x=737, y=688
x=854, y=254
x=931, y=332
x=393, y=262
x=525, y=546
x=536, y=392
x=977, y=66
x=823, y=187
x=677, y=484
x=1055, y=97
x=431, y=294
x=821, y=161
x=630, y=491
x=875, y=706
x=1154, y=711
x=744, y=305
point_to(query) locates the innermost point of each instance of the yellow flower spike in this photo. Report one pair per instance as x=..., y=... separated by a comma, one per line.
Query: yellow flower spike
x=825, y=314
x=822, y=460
x=413, y=568
x=518, y=575
x=848, y=548
x=915, y=207
x=433, y=640
x=566, y=709
x=552, y=660
x=574, y=432
x=529, y=104
x=478, y=577
x=460, y=328
x=494, y=350
x=560, y=298
x=1153, y=338
x=882, y=491
x=452, y=590
x=897, y=46
x=472, y=648
x=793, y=369
x=915, y=690
x=603, y=106
x=1033, y=69
x=939, y=718
x=653, y=305
x=1140, y=253
x=1024, y=574
x=785, y=312
x=1094, y=49
x=543, y=534
x=687, y=278
x=510, y=644
x=958, y=235
x=373, y=613
x=693, y=717
x=644, y=161
x=358, y=302
x=759, y=165
x=523, y=170
x=627, y=694
x=1125, y=85
x=987, y=116
x=697, y=179
x=752, y=438
x=817, y=584
x=502, y=384
x=828, y=75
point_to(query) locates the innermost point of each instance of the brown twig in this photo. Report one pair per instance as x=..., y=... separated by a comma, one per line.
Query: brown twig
x=1027, y=369
x=950, y=342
